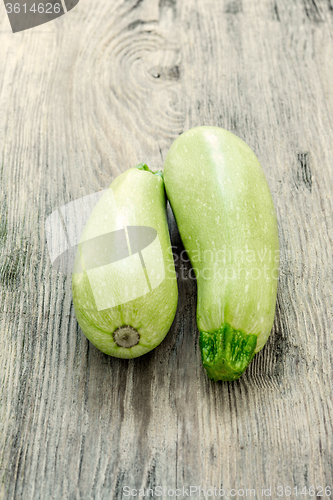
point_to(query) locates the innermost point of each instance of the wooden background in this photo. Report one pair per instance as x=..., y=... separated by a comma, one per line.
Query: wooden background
x=82, y=99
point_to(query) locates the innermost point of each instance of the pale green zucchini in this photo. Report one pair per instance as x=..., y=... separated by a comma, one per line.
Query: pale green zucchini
x=124, y=282
x=227, y=222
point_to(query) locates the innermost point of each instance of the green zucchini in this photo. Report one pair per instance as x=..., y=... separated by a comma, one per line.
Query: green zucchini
x=124, y=283
x=227, y=222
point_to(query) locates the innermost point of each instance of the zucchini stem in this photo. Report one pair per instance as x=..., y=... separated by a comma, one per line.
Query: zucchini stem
x=143, y=166
x=226, y=352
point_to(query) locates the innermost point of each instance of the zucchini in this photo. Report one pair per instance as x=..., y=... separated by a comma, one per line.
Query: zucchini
x=124, y=282
x=227, y=222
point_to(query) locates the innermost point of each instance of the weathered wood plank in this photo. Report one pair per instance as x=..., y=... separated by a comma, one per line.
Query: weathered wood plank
x=94, y=93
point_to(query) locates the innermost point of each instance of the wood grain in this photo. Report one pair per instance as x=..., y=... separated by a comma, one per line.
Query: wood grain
x=84, y=98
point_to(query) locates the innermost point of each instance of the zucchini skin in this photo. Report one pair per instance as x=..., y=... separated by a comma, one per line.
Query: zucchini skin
x=227, y=222
x=136, y=198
